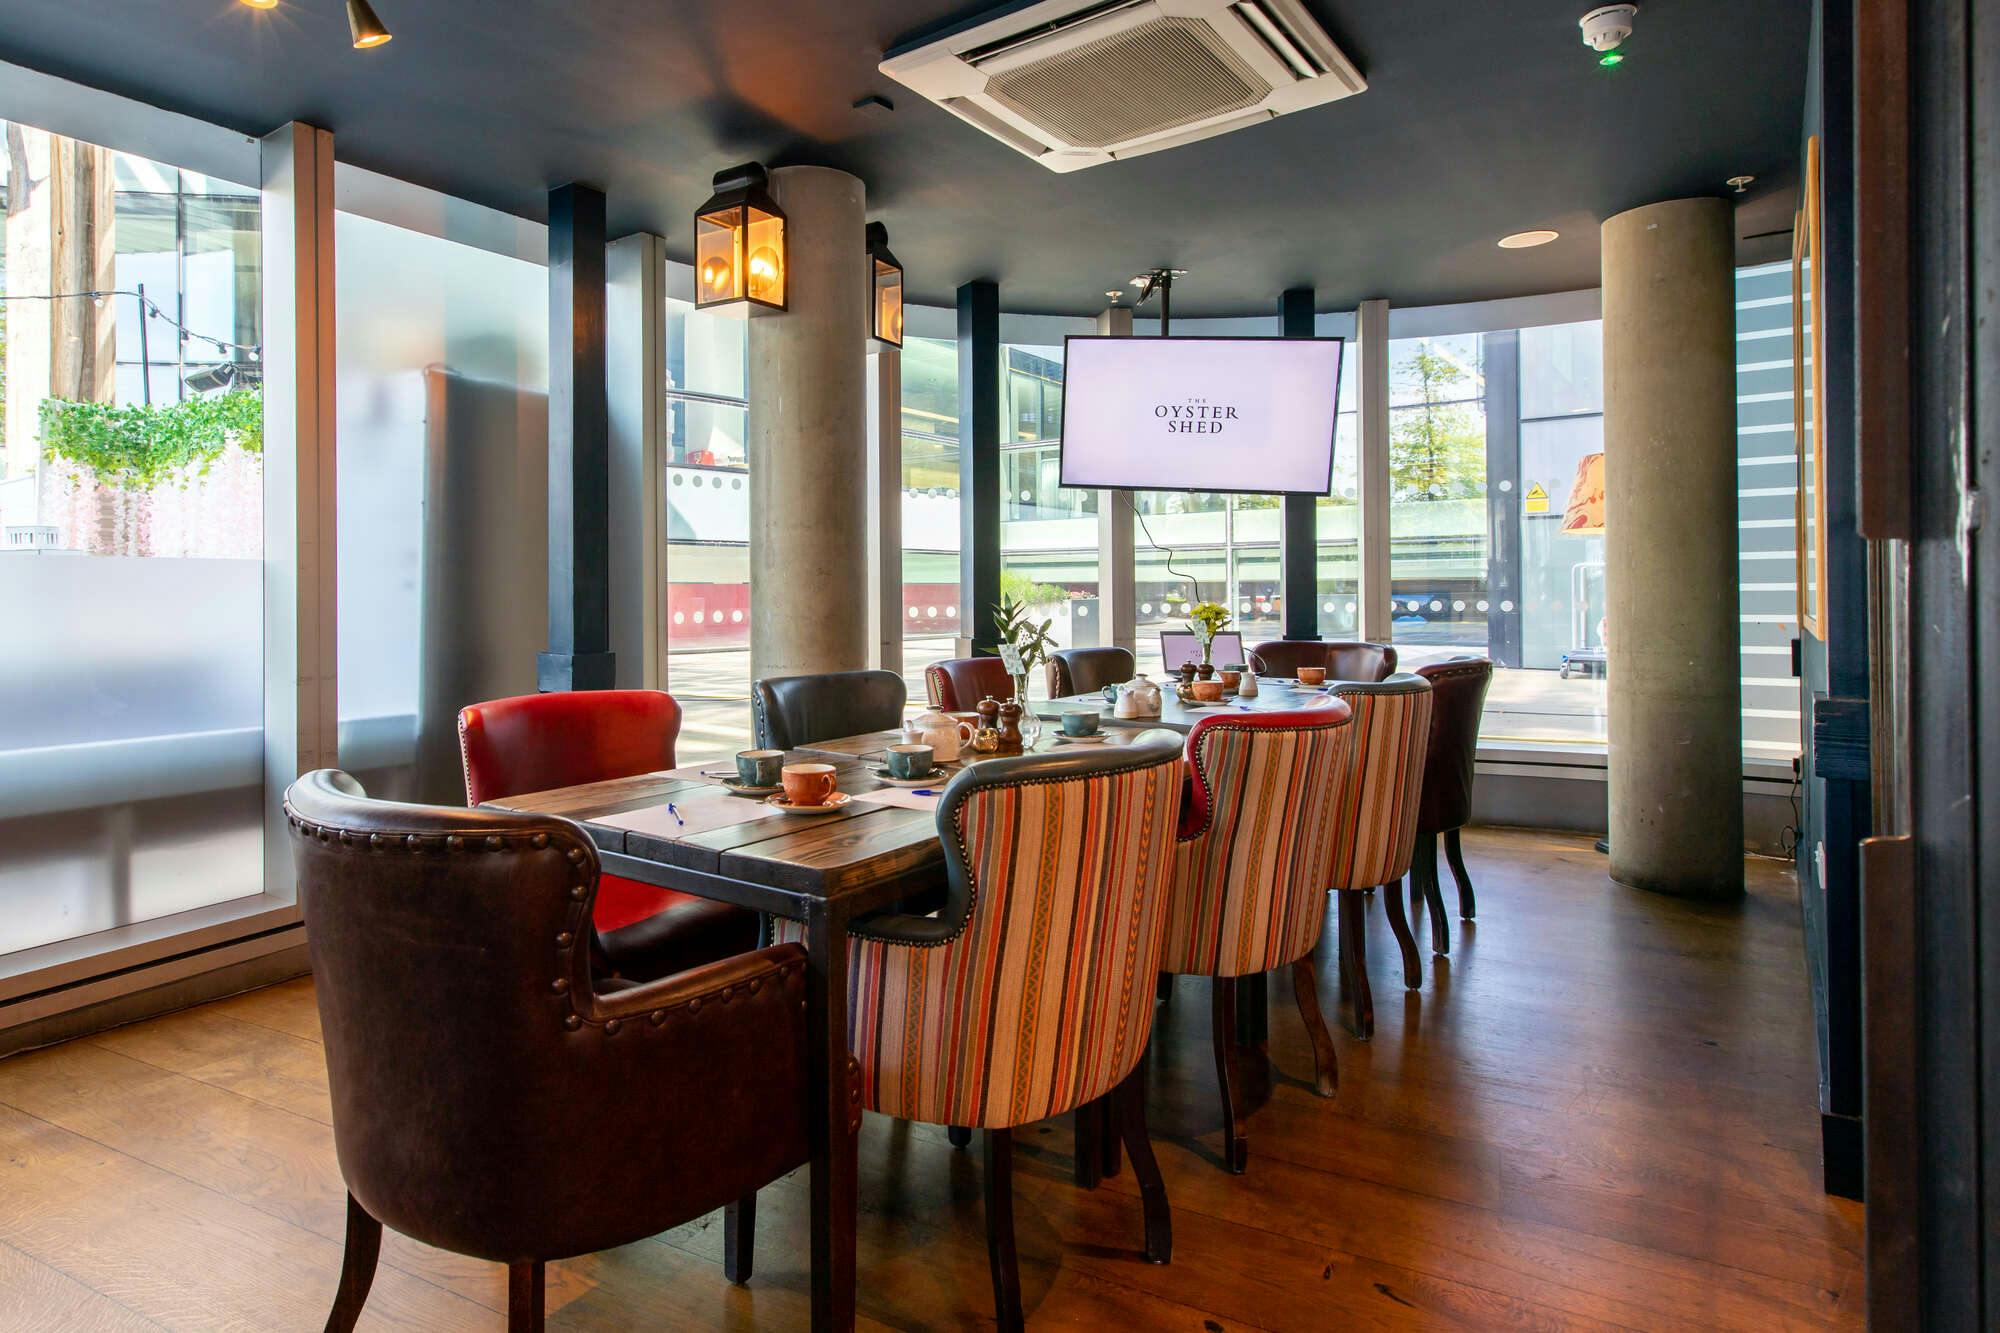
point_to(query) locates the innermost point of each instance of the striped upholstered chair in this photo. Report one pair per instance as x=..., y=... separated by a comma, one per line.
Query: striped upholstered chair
x=1375, y=824
x=1031, y=992
x=1249, y=892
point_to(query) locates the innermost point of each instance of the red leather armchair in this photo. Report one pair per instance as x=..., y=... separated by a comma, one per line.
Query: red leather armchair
x=534, y=742
x=957, y=684
x=1344, y=659
x=493, y=1093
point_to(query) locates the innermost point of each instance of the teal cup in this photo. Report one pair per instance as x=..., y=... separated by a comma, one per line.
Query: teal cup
x=1078, y=722
x=908, y=761
x=760, y=768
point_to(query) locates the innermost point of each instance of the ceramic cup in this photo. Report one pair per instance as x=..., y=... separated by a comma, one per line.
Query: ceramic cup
x=908, y=761
x=1079, y=722
x=808, y=784
x=1312, y=675
x=1231, y=677
x=759, y=768
x=1207, y=691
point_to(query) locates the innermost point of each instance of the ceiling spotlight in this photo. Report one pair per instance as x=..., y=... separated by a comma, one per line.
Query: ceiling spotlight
x=367, y=29
x=261, y=4
x=1114, y=294
x=1739, y=183
x=1527, y=240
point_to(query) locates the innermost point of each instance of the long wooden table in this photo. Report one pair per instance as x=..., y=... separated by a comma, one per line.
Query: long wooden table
x=822, y=870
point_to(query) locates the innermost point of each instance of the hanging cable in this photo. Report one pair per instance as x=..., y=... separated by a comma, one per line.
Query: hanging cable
x=146, y=306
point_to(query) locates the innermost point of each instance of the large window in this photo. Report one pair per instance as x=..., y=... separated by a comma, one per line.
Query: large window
x=708, y=530
x=131, y=575
x=930, y=506
x=1339, y=515
x=1437, y=495
x=1048, y=533
x=1767, y=496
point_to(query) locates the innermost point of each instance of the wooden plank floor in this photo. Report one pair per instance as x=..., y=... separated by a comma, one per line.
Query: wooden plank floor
x=1600, y=1112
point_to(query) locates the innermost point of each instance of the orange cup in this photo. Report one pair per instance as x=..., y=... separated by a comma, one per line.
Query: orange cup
x=1208, y=691
x=808, y=784
x=1312, y=675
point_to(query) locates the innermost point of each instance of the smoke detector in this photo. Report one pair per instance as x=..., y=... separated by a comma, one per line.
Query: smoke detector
x=1605, y=27
x=1078, y=83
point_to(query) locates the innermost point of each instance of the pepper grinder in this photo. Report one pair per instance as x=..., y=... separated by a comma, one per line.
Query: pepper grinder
x=1010, y=727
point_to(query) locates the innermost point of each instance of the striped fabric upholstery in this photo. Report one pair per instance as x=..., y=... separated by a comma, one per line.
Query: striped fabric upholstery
x=1044, y=1000
x=1375, y=831
x=1249, y=888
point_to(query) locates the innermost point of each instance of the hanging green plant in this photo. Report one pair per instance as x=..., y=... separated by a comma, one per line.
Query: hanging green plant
x=138, y=447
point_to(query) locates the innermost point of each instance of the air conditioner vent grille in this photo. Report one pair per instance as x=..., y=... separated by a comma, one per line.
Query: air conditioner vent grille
x=1159, y=75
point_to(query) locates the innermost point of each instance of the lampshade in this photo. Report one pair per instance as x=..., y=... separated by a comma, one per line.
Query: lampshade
x=366, y=29
x=885, y=292
x=739, y=244
x=1584, y=515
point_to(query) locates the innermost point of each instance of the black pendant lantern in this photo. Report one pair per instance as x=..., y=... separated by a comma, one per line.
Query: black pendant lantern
x=739, y=244
x=885, y=291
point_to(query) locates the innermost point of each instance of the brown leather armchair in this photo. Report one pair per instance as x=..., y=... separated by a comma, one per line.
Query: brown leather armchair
x=1088, y=670
x=1458, y=696
x=1344, y=659
x=492, y=1095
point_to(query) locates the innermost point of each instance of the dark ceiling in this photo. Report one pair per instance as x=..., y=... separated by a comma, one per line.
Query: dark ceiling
x=1482, y=117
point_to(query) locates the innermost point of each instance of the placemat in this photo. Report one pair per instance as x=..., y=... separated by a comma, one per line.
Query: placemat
x=699, y=813
x=904, y=796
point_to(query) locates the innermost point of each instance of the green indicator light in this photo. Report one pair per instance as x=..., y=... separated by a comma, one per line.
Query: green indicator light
x=1611, y=58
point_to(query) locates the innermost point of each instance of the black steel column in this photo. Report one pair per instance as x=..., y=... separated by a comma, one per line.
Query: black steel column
x=1298, y=543
x=978, y=458
x=579, y=654
x=1503, y=505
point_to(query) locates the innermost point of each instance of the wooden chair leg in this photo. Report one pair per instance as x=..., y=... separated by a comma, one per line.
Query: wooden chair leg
x=739, y=1238
x=1111, y=1162
x=1128, y=1107
x=958, y=1135
x=1305, y=989
x=1089, y=1151
x=357, y=1268
x=1235, y=1133
x=1424, y=874
x=525, y=1283
x=1413, y=961
x=1000, y=1253
x=1468, y=906
x=1354, y=963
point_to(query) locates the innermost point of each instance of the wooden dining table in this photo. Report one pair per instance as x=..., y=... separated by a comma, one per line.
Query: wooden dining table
x=823, y=870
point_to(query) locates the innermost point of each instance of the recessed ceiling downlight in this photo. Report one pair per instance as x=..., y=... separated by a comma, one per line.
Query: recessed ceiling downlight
x=1526, y=240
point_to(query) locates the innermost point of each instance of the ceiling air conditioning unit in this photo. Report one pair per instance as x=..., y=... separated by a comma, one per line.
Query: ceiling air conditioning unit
x=1073, y=83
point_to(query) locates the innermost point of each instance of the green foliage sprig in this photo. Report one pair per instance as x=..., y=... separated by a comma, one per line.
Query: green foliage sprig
x=1018, y=628
x=139, y=447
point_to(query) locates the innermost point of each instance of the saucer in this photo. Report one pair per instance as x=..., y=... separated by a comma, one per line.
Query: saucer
x=930, y=779
x=833, y=803
x=735, y=788
x=1097, y=739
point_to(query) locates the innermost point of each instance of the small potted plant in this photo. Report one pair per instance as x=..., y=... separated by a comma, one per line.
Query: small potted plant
x=1025, y=645
x=1206, y=620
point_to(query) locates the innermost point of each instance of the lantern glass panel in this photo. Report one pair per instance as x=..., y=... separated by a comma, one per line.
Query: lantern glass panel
x=718, y=256
x=765, y=257
x=888, y=303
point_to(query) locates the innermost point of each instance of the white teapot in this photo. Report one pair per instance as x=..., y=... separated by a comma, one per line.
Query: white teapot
x=1137, y=697
x=941, y=731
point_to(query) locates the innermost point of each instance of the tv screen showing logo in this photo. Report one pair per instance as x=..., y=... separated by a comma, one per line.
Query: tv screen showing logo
x=1200, y=414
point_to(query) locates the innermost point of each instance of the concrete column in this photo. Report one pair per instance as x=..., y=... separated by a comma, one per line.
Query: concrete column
x=808, y=438
x=1371, y=332
x=1670, y=545
x=1117, y=559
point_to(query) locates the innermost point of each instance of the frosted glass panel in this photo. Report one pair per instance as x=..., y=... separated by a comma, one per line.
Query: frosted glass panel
x=441, y=346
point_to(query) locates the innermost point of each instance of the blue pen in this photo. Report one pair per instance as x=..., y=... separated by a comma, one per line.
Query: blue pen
x=675, y=812
x=925, y=791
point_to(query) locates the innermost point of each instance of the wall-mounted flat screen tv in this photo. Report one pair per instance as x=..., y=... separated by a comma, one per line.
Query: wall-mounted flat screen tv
x=1200, y=414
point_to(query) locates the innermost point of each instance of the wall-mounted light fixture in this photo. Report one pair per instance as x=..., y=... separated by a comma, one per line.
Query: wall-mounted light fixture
x=739, y=243
x=885, y=291
x=367, y=29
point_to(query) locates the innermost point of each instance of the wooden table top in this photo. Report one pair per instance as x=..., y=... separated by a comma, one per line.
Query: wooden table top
x=1273, y=695
x=857, y=848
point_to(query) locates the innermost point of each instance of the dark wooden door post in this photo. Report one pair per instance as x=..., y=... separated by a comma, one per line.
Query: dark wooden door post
x=1298, y=541
x=579, y=653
